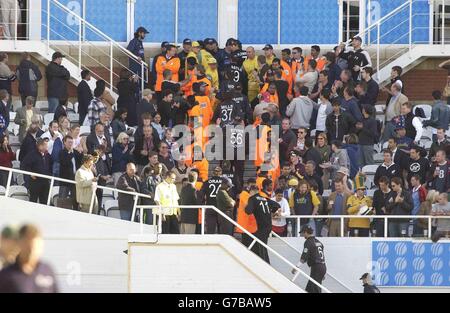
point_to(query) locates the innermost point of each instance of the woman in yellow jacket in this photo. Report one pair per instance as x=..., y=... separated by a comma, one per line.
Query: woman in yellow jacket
x=359, y=227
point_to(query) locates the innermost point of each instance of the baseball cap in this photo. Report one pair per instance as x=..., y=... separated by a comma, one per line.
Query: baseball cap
x=364, y=276
x=306, y=229
x=164, y=44
x=57, y=55
x=293, y=182
x=357, y=38
x=142, y=29
x=187, y=41
x=230, y=42
x=209, y=41
x=294, y=153
x=227, y=182
x=195, y=44
x=217, y=169
x=212, y=60
x=268, y=46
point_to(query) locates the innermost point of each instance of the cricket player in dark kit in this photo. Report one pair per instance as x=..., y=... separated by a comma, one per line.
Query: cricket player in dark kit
x=313, y=255
x=263, y=208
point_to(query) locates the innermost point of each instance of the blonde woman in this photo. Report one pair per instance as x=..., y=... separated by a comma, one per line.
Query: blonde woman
x=421, y=227
x=64, y=125
x=122, y=154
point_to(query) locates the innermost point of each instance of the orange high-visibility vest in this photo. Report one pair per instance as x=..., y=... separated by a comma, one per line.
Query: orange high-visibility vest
x=287, y=75
x=262, y=145
x=162, y=63
x=320, y=63
x=243, y=219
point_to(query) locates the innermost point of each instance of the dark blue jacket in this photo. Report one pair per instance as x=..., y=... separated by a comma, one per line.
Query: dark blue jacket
x=36, y=163
x=353, y=155
x=120, y=159
x=334, y=73
x=351, y=106
x=28, y=75
x=136, y=46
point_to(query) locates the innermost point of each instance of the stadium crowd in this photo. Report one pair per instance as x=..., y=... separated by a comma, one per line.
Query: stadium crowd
x=324, y=103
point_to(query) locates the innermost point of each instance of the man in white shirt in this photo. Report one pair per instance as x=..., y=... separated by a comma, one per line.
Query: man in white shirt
x=52, y=134
x=279, y=222
x=166, y=195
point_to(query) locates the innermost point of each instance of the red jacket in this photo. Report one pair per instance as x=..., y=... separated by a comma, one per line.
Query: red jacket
x=6, y=158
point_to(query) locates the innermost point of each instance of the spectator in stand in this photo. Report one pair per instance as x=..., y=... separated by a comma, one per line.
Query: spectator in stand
x=343, y=64
x=128, y=90
x=359, y=227
x=413, y=124
x=324, y=109
x=187, y=47
x=352, y=148
x=442, y=208
x=131, y=183
x=6, y=158
x=339, y=158
x=312, y=154
x=165, y=106
x=400, y=203
x=373, y=89
x=28, y=75
x=304, y=202
x=416, y=164
x=144, y=145
x=57, y=79
x=381, y=198
x=4, y=110
x=136, y=47
x=425, y=209
x=337, y=205
x=122, y=154
x=279, y=223
x=61, y=110
x=269, y=54
x=70, y=161
x=106, y=98
x=300, y=109
x=8, y=246
x=367, y=135
x=153, y=163
x=418, y=195
x=357, y=58
x=438, y=177
x=97, y=138
x=441, y=142
x=168, y=61
x=312, y=176
x=84, y=95
x=311, y=76
x=188, y=196
x=64, y=126
x=334, y=70
x=6, y=75
x=393, y=108
x=287, y=139
x=101, y=169
x=96, y=107
x=166, y=195
x=28, y=274
x=300, y=144
x=165, y=157
x=338, y=123
x=86, y=184
x=119, y=124
x=39, y=162
x=53, y=136
x=398, y=154
x=396, y=72
x=440, y=114
x=388, y=168
x=322, y=84
x=350, y=104
x=146, y=105
x=182, y=171
x=29, y=142
x=75, y=134
x=24, y=116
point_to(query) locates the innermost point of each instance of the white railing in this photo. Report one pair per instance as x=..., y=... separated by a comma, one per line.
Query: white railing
x=385, y=219
x=116, y=54
x=373, y=34
x=142, y=208
x=255, y=240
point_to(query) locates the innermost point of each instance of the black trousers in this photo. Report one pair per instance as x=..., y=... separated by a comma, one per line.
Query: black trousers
x=246, y=240
x=258, y=248
x=211, y=222
x=239, y=167
x=318, y=272
x=39, y=189
x=170, y=225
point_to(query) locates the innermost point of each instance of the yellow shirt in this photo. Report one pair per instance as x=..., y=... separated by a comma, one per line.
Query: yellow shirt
x=314, y=199
x=249, y=67
x=28, y=119
x=270, y=60
x=167, y=195
x=353, y=204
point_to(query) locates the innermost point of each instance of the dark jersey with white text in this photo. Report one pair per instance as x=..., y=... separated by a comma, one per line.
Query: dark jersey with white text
x=210, y=189
x=262, y=207
x=313, y=252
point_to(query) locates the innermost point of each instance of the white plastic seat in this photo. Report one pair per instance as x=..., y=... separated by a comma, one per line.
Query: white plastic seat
x=114, y=213
x=16, y=164
x=73, y=117
x=42, y=105
x=14, y=140
x=17, y=104
x=85, y=130
x=110, y=204
x=48, y=118
x=369, y=169
x=12, y=115
x=2, y=190
x=18, y=192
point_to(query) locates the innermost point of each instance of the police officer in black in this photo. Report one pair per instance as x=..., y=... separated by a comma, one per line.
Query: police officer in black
x=209, y=192
x=313, y=255
x=369, y=287
x=263, y=208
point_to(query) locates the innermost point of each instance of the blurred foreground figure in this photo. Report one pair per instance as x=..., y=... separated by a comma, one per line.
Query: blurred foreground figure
x=28, y=274
x=8, y=246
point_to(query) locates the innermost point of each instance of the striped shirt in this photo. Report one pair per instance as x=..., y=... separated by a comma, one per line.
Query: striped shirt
x=94, y=109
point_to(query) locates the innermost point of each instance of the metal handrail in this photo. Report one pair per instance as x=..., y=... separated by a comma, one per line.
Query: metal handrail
x=226, y=217
x=300, y=253
x=99, y=32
